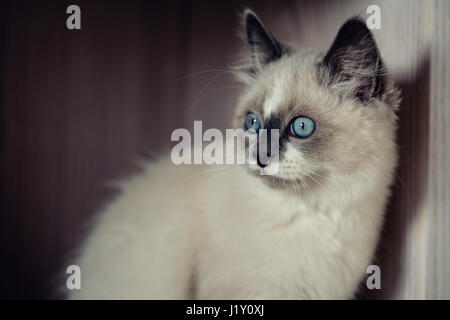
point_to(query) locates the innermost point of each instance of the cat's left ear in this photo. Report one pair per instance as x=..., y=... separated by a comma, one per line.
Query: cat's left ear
x=263, y=45
x=352, y=66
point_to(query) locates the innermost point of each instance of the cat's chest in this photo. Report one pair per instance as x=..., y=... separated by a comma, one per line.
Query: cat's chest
x=258, y=225
x=268, y=239
x=253, y=215
x=239, y=248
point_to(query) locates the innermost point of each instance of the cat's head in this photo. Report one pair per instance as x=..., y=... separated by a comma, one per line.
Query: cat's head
x=335, y=112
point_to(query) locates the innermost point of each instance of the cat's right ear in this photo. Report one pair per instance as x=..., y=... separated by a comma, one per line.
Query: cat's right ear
x=264, y=48
x=352, y=66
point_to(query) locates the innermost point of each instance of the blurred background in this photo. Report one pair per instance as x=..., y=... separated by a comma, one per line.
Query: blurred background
x=78, y=107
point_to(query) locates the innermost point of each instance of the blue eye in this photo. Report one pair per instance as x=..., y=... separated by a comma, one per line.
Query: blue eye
x=252, y=122
x=302, y=127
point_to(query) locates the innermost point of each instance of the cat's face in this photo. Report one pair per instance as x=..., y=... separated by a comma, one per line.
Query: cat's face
x=335, y=113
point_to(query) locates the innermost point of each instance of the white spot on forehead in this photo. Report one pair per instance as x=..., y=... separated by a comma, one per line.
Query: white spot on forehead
x=273, y=101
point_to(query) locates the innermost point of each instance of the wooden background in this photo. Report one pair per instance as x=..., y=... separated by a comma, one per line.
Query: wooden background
x=78, y=107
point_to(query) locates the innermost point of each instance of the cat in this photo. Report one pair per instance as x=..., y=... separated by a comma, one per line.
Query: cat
x=307, y=232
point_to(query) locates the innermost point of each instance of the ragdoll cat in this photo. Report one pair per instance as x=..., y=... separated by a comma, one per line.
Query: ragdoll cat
x=307, y=232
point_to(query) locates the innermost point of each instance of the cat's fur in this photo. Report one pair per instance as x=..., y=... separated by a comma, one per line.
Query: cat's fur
x=310, y=232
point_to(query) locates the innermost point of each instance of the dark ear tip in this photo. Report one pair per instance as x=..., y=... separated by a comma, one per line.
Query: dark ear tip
x=355, y=24
x=248, y=13
x=251, y=18
x=356, y=20
x=265, y=48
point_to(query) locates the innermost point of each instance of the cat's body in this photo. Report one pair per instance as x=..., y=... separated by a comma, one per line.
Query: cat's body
x=209, y=232
x=221, y=234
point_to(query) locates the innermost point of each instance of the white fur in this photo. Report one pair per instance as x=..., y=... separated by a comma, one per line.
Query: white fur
x=235, y=237
x=211, y=232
